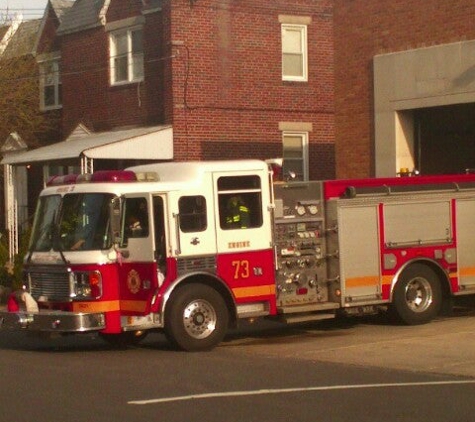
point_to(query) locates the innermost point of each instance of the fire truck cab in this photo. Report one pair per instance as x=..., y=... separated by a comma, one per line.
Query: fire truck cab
x=192, y=248
x=182, y=246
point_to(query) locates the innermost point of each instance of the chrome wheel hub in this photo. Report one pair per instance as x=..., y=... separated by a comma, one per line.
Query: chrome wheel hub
x=418, y=294
x=199, y=319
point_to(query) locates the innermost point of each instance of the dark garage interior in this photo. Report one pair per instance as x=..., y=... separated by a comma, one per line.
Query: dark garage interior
x=445, y=139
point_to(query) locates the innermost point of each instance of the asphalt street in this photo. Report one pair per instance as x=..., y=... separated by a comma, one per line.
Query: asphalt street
x=355, y=370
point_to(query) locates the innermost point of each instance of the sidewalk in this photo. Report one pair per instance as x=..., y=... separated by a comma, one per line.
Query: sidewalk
x=446, y=345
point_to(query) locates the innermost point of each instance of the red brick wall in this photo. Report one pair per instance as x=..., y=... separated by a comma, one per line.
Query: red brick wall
x=225, y=95
x=365, y=28
x=48, y=41
x=88, y=96
x=85, y=78
x=213, y=70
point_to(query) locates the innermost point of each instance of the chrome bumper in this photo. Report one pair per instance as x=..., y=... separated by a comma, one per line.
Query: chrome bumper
x=52, y=321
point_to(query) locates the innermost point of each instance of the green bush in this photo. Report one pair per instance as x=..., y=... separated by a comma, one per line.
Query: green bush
x=6, y=278
x=12, y=275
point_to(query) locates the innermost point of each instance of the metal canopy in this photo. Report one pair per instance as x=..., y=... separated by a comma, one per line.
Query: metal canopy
x=144, y=143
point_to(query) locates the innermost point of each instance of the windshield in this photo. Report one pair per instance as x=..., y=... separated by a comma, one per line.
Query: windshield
x=43, y=227
x=73, y=222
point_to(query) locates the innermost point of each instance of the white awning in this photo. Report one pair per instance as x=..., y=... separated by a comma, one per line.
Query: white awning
x=144, y=143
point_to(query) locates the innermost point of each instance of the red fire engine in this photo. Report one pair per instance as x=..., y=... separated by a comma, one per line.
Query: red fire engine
x=192, y=248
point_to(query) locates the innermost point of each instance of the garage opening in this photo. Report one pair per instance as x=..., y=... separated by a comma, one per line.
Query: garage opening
x=444, y=139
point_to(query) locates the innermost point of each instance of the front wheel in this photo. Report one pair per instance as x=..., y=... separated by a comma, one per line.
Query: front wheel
x=417, y=296
x=196, y=318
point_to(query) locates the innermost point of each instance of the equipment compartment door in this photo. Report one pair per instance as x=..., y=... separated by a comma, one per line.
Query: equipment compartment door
x=465, y=211
x=359, y=252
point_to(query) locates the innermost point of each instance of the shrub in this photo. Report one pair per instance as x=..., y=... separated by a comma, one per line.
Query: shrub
x=12, y=275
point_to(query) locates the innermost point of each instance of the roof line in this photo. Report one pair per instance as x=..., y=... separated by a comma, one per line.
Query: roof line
x=103, y=12
x=42, y=27
x=10, y=32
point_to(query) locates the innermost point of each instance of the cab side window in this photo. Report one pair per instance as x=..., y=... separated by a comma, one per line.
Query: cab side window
x=192, y=211
x=136, y=219
x=240, y=202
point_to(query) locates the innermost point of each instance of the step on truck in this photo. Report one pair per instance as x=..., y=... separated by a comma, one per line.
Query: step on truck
x=193, y=248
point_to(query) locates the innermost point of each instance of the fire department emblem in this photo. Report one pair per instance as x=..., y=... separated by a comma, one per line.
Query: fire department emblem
x=133, y=281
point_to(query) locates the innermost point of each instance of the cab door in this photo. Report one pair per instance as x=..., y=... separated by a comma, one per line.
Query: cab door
x=137, y=268
x=193, y=224
x=244, y=236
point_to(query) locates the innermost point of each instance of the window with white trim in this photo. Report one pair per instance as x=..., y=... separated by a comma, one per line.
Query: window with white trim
x=50, y=83
x=294, y=52
x=126, y=56
x=295, y=155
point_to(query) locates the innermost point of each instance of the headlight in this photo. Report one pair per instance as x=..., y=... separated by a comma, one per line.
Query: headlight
x=86, y=285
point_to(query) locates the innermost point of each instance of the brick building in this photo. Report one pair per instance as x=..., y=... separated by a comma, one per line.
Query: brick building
x=230, y=98
x=405, y=86
x=186, y=80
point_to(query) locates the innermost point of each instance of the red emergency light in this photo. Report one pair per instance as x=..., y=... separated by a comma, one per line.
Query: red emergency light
x=113, y=176
x=98, y=176
x=67, y=179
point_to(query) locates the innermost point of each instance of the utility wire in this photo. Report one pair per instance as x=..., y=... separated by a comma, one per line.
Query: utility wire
x=272, y=6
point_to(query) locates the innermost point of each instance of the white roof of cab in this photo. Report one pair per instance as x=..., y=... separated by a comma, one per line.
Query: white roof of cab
x=193, y=171
x=172, y=176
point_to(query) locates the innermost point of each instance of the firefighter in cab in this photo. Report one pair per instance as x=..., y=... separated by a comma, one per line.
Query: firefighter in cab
x=237, y=215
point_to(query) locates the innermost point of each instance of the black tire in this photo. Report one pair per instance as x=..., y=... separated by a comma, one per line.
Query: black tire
x=125, y=339
x=417, y=297
x=196, y=318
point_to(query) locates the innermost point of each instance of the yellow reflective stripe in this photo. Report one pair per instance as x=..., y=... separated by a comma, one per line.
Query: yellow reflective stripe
x=466, y=271
x=105, y=306
x=369, y=280
x=241, y=292
x=361, y=281
x=133, y=305
x=110, y=305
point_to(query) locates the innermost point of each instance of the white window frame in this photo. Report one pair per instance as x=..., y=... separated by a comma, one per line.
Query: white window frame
x=50, y=79
x=304, y=137
x=132, y=58
x=302, y=53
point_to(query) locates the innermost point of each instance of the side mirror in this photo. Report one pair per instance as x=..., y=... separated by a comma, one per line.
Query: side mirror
x=116, y=213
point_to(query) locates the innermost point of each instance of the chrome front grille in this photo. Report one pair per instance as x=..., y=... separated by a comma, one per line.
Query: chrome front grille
x=49, y=283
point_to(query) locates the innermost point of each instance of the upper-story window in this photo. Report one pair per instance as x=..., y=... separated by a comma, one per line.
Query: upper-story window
x=50, y=83
x=294, y=52
x=126, y=56
x=295, y=155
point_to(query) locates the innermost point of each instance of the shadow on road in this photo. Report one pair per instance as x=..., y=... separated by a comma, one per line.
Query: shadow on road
x=261, y=332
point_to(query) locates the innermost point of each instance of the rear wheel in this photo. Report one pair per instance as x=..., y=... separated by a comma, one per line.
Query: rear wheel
x=196, y=318
x=417, y=296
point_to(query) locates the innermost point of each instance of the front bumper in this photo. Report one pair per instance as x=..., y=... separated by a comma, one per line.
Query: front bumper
x=52, y=321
